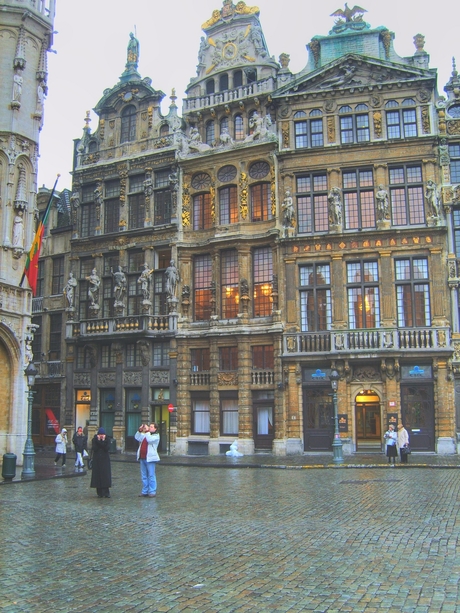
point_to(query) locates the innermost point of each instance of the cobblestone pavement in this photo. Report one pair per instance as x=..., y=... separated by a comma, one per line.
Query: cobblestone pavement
x=236, y=540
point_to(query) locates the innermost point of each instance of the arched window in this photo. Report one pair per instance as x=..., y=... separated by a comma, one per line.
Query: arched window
x=251, y=75
x=164, y=130
x=308, y=132
x=128, y=124
x=250, y=116
x=210, y=133
x=238, y=78
x=223, y=82
x=223, y=124
x=239, y=127
x=210, y=87
x=92, y=147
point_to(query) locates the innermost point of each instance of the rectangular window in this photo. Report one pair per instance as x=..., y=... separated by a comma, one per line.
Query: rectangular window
x=202, y=212
x=228, y=205
x=363, y=295
x=228, y=358
x=456, y=214
x=202, y=287
x=354, y=128
x=262, y=275
x=312, y=205
x=454, y=154
x=112, y=215
x=136, y=211
x=401, y=122
x=200, y=416
x=200, y=359
x=160, y=354
x=108, y=357
x=112, y=189
x=229, y=284
x=133, y=357
x=229, y=416
x=55, y=337
x=263, y=357
x=406, y=192
x=136, y=183
x=159, y=293
x=315, y=298
x=134, y=289
x=86, y=266
x=88, y=220
x=41, y=279
x=58, y=276
x=162, y=207
x=412, y=292
x=261, y=202
x=162, y=178
x=358, y=197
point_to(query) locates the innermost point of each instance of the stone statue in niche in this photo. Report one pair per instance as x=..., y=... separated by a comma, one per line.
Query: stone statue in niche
x=288, y=210
x=172, y=279
x=383, y=204
x=432, y=198
x=93, y=288
x=335, y=207
x=119, y=289
x=144, y=281
x=18, y=230
x=69, y=291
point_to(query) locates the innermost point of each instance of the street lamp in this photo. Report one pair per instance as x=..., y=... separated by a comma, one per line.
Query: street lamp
x=28, y=466
x=337, y=442
x=170, y=409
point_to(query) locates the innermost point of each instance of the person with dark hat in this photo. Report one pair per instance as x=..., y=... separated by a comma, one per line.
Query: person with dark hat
x=101, y=475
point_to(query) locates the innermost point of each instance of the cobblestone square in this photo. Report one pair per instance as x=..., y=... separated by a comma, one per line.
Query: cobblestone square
x=234, y=540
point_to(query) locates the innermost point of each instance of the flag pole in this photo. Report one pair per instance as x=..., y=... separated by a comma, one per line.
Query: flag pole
x=45, y=216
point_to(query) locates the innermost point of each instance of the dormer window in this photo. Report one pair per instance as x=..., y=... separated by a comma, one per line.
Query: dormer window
x=164, y=130
x=92, y=147
x=251, y=75
x=210, y=87
x=237, y=78
x=223, y=82
x=128, y=124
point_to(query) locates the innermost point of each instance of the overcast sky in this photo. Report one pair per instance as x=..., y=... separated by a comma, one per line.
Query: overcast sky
x=92, y=37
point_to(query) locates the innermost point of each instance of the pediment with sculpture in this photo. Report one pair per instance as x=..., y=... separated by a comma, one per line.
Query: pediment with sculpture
x=352, y=72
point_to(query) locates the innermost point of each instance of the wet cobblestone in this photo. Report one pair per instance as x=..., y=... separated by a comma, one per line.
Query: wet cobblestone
x=231, y=541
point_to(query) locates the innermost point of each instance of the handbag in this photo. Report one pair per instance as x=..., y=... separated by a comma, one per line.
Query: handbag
x=406, y=450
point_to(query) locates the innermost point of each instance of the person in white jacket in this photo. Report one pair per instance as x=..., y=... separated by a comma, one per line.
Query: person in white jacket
x=147, y=455
x=61, y=447
x=403, y=441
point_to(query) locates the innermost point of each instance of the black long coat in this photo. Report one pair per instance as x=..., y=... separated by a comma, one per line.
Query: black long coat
x=101, y=475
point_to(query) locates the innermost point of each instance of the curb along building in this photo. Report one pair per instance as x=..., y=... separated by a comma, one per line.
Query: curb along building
x=286, y=226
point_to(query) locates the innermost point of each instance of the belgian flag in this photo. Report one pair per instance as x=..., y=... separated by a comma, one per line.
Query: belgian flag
x=31, y=267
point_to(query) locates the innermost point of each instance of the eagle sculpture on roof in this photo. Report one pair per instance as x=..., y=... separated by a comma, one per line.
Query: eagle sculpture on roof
x=349, y=14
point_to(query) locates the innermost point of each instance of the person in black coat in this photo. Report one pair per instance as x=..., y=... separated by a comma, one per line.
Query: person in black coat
x=101, y=475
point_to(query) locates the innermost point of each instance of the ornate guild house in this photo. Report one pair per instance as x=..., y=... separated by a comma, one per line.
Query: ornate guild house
x=217, y=264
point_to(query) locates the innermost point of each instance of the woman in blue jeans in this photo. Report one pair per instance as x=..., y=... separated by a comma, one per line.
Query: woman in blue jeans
x=147, y=454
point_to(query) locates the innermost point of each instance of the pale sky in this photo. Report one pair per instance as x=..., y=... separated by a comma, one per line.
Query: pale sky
x=93, y=36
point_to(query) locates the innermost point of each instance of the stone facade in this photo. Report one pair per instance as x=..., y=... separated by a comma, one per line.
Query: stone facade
x=26, y=35
x=287, y=225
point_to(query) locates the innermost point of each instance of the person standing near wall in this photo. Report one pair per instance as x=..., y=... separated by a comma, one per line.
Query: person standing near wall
x=147, y=455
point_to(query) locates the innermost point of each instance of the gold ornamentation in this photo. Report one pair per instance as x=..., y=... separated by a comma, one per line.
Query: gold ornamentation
x=453, y=127
x=426, y=127
x=227, y=378
x=150, y=116
x=212, y=197
x=123, y=173
x=377, y=115
x=101, y=129
x=244, y=195
x=330, y=130
x=285, y=133
x=186, y=202
x=273, y=190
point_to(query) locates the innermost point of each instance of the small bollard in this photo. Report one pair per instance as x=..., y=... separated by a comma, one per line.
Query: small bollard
x=9, y=466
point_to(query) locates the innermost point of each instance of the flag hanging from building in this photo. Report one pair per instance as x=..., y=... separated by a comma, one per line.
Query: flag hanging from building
x=31, y=267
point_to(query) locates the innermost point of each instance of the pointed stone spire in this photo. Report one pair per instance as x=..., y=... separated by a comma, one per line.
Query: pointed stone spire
x=452, y=87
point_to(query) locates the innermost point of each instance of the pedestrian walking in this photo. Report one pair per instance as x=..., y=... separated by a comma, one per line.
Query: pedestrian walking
x=61, y=447
x=80, y=442
x=147, y=455
x=391, y=437
x=101, y=474
x=403, y=443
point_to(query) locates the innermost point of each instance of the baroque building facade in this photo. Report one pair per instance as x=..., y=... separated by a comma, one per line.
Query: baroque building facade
x=26, y=36
x=225, y=262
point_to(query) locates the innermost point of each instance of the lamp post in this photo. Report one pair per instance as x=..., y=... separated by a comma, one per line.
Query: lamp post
x=337, y=442
x=28, y=467
x=170, y=409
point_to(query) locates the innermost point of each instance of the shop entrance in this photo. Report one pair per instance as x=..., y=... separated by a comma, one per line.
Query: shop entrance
x=368, y=421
